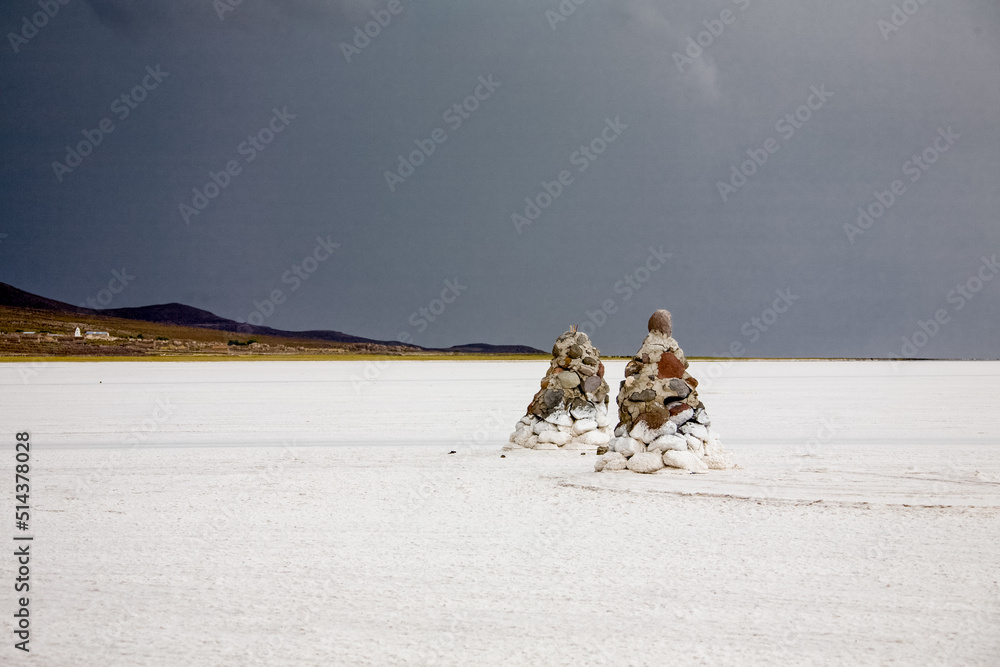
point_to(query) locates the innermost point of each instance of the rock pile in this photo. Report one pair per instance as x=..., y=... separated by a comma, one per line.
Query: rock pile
x=570, y=411
x=662, y=422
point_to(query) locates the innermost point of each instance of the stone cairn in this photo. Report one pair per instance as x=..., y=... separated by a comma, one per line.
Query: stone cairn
x=570, y=411
x=662, y=422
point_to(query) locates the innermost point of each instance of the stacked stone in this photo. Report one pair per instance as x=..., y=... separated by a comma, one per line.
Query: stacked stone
x=662, y=422
x=570, y=411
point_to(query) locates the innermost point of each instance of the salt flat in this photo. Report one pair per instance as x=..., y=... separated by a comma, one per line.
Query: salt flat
x=862, y=528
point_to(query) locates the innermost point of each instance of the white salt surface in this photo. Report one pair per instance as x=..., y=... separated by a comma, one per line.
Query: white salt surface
x=863, y=528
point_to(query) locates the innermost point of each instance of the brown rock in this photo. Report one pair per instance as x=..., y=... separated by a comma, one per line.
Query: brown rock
x=669, y=366
x=660, y=321
x=655, y=418
x=676, y=408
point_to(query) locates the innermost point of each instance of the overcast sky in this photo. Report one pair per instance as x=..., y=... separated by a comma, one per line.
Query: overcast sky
x=821, y=105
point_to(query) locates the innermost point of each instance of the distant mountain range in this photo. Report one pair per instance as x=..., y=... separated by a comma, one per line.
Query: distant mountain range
x=178, y=314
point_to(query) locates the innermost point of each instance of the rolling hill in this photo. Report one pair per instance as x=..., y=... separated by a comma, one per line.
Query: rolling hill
x=24, y=309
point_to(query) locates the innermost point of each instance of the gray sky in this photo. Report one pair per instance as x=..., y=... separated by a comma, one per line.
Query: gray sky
x=661, y=122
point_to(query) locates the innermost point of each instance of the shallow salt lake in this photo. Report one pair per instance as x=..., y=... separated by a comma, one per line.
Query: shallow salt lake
x=232, y=513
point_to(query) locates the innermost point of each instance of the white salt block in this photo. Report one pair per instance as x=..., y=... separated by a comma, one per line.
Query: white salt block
x=560, y=418
x=521, y=436
x=581, y=426
x=721, y=461
x=702, y=417
x=666, y=442
x=713, y=447
x=540, y=427
x=627, y=446
x=695, y=429
x=683, y=460
x=695, y=445
x=610, y=462
x=643, y=433
x=620, y=431
x=584, y=412
x=594, y=438
x=683, y=416
x=646, y=462
x=557, y=438
x=716, y=458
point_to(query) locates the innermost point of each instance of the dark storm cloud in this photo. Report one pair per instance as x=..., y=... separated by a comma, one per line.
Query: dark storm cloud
x=749, y=133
